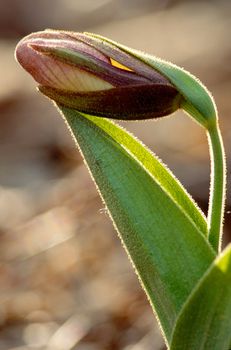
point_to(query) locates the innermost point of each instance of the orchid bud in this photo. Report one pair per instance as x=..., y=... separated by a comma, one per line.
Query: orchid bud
x=94, y=77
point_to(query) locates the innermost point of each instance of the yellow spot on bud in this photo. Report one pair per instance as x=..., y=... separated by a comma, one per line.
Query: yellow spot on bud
x=119, y=65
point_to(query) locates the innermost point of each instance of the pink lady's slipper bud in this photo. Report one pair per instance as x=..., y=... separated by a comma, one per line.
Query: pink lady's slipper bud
x=82, y=72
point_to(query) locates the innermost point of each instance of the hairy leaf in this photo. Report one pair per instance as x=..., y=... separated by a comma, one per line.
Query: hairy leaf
x=166, y=247
x=205, y=321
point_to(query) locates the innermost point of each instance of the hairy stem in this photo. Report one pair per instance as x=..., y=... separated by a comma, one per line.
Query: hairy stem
x=217, y=187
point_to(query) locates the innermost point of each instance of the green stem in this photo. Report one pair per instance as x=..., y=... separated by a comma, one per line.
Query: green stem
x=217, y=187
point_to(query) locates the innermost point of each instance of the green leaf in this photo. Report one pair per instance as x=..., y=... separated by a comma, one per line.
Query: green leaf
x=199, y=102
x=167, y=249
x=157, y=169
x=205, y=320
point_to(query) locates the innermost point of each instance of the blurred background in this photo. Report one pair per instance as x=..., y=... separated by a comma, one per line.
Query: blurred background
x=65, y=281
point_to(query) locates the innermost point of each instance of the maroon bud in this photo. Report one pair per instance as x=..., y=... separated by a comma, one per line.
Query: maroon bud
x=81, y=72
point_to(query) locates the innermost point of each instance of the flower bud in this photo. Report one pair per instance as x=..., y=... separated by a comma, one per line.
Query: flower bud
x=79, y=71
